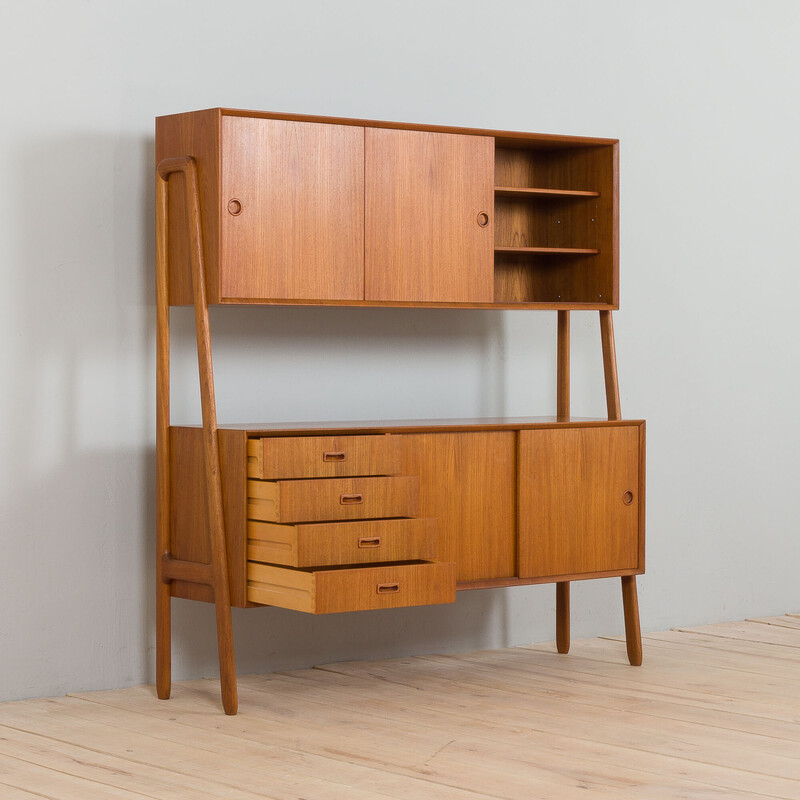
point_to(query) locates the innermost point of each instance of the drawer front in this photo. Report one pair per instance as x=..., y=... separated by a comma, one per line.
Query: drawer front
x=323, y=456
x=358, y=589
x=331, y=543
x=332, y=499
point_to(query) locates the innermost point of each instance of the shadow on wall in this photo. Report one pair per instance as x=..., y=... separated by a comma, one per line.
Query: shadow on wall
x=75, y=557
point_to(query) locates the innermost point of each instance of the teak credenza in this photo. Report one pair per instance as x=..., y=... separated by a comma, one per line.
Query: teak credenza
x=327, y=517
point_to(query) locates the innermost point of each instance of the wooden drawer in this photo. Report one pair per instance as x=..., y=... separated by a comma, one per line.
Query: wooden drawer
x=329, y=543
x=327, y=591
x=332, y=499
x=323, y=456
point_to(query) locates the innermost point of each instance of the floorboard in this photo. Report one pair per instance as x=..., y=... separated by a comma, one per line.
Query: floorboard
x=713, y=712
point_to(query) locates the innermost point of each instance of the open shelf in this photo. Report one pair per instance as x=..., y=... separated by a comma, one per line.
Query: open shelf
x=520, y=193
x=554, y=224
x=554, y=250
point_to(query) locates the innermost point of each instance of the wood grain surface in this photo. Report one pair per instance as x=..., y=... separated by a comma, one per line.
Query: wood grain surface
x=572, y=513
x=300, y=232
x=711, y=713
x=424, y=192
x=467, y=482
x=323, y=456
x=330, y=543
x=333, y=499
x=331, y=591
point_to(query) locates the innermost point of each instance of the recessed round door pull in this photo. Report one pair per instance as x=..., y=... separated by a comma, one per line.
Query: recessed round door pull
x=483, y=219
x=627, y=498
x=234, y=207
x=388, y=588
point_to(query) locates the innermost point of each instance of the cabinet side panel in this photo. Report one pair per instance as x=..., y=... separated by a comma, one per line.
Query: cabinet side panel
x=189, y=537
x=189, y=531
x=467, y=482
x=296, y=190
x=196, y=135
x=573, y=514
x=424, y=192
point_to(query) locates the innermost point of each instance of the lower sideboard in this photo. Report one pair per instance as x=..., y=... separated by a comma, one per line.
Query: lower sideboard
x=352, y=516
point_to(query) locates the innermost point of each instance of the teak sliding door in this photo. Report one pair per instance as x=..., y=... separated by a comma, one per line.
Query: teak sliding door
x=292, y=210
x=578, y=500
x=429, y=201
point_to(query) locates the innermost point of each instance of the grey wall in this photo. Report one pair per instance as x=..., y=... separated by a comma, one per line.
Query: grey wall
x=703, y=96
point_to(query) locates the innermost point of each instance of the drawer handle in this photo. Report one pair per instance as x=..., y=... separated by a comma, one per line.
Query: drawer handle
x=351, y=499
x=334, y=456
x=388, y=588
x=372, y=541
x=627, y=498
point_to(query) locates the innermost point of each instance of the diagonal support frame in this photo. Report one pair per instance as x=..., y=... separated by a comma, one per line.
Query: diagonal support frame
x=167, y=569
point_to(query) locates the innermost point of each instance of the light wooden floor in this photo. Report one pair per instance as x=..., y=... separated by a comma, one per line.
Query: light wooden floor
x=713, y=712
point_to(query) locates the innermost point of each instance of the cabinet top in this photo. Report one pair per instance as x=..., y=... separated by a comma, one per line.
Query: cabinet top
x=520, y=139
x=466, y=424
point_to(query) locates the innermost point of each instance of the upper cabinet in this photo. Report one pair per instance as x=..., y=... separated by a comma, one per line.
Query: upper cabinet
x=429, y=217
x=292, y=210
x=312, y=210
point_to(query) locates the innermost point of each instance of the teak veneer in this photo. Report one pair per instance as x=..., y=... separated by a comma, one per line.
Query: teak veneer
x=264, y=208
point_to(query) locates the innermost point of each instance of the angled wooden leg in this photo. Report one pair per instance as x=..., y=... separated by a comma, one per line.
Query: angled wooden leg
x=630, y=600
x=562, y=617
x=219, y=558
x=610, y=365
x=163, y=599
x=633, y=634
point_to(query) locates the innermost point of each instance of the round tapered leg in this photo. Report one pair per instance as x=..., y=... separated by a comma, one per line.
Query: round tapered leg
x=163, y=641
x=633, y=634
x=562, y=617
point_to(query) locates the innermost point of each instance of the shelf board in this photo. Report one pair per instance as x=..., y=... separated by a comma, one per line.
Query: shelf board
x=546, y=250
x=533, y=194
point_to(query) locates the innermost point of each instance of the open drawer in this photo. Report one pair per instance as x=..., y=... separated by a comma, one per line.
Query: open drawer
x=322, y=456
x=332, y=499
x=326, y=591
x=322, y=544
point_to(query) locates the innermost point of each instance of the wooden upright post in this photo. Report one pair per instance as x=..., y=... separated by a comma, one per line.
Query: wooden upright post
x=562, y=406
x=215, y=574
x=630, y=601
x=163, y=603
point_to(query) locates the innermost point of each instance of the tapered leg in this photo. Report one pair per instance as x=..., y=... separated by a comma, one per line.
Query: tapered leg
x=227, y=662
x=562, y=617
x=633, y=634
x=163, y=641
x=610, y=365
